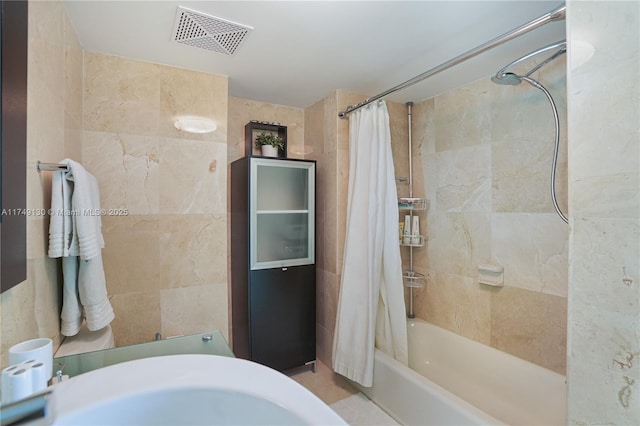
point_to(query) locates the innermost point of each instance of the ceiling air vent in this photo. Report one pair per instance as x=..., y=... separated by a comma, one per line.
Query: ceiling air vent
x=208, y=32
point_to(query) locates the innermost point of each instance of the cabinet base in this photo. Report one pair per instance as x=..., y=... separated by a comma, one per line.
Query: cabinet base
x=312, y=364
x=308, y=366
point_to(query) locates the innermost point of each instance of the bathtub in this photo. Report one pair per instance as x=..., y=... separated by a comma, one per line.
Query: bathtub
x=185, y=390
x=453, y=380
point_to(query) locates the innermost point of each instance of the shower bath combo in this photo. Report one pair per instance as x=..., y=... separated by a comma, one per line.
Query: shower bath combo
x=425, y=398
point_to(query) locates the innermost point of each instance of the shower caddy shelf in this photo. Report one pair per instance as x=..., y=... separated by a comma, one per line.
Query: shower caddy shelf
x=420, y=242
x=413, y=279
x=410, y=278
x=413, y=204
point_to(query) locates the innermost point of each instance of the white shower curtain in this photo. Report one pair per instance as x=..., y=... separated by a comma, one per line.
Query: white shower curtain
x=371, y=309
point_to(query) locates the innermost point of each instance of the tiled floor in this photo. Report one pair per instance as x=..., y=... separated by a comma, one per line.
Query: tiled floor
x=325, y=384
x=354, y=407
x=358, y=410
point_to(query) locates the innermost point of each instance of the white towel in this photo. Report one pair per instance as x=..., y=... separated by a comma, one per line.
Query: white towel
x=84, y=288
x=71, y=316
x=75, y=235
x=60, y=223
x=85, y=200
x=92, y=287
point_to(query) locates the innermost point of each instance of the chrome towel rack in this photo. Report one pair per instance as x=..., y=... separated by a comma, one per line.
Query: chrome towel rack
x=51, y=167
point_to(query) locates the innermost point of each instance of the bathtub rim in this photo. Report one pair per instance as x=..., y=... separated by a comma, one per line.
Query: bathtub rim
x=439, y=328
x=506, y=401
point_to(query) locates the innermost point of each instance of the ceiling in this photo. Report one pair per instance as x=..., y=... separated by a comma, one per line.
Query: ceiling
x=300, y=51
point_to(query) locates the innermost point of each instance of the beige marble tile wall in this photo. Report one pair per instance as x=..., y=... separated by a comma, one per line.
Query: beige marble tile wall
x=321, y=145
x=482, y=157
x=318, y=146
x=604, y=275
x=54, y=79
x=166, y=237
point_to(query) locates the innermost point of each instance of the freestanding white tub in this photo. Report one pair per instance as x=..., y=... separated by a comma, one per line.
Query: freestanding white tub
x=186, y=390
x=453, y=380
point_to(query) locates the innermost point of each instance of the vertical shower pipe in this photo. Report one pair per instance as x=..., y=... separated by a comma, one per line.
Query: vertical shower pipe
x=409, y=105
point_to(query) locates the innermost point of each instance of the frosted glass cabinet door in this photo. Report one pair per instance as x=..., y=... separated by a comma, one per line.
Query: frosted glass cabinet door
x=282, y=213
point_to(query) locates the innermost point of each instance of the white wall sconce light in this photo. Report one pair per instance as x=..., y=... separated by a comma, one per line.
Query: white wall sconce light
x=192, y=124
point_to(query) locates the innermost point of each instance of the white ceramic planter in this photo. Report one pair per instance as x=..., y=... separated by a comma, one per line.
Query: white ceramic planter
x=269, y=151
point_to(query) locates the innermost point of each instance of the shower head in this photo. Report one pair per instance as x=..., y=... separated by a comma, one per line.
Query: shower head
x=509, y=78
x=512, y=79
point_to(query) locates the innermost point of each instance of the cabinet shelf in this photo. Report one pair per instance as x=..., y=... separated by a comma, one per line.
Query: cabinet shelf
x=413, y=279
x=412, y=203
x=255, y=127
x=281, y=211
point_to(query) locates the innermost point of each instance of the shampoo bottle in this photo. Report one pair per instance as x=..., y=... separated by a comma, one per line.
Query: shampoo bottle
x=415, y=231
x=407, y=230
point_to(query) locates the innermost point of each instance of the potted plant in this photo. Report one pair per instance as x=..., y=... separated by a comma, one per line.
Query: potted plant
x=269, y=143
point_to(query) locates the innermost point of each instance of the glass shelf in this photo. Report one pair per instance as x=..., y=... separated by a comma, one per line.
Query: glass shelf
x=280, y=211
x=412, y=203
x=413, y=279
x=210, y=342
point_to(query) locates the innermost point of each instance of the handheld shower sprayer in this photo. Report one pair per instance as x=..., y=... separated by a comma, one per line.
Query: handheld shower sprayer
x=504, y=77
x=509, y=78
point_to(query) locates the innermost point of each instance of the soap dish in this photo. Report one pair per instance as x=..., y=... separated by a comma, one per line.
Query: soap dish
x=492, y=275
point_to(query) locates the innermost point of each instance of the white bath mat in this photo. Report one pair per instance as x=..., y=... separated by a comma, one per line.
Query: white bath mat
x=358, y=410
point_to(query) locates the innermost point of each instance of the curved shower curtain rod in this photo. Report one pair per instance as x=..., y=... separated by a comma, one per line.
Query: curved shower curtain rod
x=557, y=14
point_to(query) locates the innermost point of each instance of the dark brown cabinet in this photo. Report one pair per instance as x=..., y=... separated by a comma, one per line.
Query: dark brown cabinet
x=273, y=291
